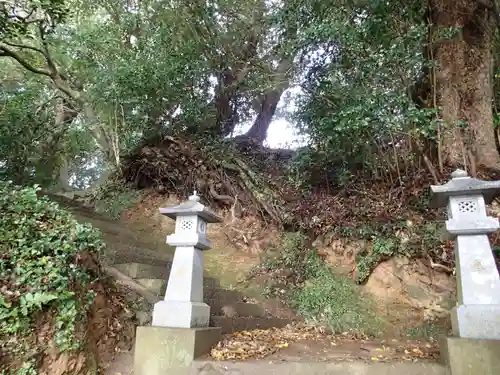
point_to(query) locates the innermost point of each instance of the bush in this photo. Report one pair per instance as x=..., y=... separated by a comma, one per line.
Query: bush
x=111, y=199
x=48, y=262
x=321, y=296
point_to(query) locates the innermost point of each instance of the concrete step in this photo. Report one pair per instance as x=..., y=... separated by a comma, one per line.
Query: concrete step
x=132, y=253
x=237, y=309
x=235, y=324
x=149, y=271
x=159, y=286
x=125, y=363
x=307, y=366
x=213, y=295
x=143, y=270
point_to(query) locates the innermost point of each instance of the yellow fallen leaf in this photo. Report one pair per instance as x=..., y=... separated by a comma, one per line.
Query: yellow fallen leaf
x=374, y=359
x=379, y=350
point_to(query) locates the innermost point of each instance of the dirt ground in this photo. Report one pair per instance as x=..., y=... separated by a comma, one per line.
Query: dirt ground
x=326, y=350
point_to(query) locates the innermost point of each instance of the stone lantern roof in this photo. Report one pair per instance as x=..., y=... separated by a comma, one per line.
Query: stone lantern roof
x=463, y=185
x=191, y=207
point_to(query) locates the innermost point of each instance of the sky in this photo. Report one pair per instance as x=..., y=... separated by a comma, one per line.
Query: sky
x=281, y=133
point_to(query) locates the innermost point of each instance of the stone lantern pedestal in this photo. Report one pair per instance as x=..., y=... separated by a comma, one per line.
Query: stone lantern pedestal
x=180, y=329
x=475, y=347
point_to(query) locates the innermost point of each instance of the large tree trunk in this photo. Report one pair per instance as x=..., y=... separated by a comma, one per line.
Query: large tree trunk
x=269, y=102
x=462, y=80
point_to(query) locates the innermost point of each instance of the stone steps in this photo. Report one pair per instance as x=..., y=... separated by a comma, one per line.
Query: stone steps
x=154, y=276
x=227, y=307
x=144, y=271
x=125, y=363
x=246, y=323
x=121, y=253
x=318, y=367
x=240, y=309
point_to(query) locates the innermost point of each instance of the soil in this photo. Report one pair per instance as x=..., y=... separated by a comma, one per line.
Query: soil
x=326, y=349
x=329, y=349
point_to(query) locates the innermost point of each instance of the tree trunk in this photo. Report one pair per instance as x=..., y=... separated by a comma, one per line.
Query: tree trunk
x=258, y=132
x=462, y=80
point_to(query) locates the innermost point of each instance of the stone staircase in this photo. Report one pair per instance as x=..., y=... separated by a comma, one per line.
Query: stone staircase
x=229, y=308
x=149, y=263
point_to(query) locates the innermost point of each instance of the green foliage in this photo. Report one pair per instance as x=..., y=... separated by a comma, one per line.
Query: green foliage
x=16, y=23
x=383, y=241
x=366, y=262
x=20, y=127
x=111, y=199
x=42, y=277
x=427, y=331
x=320, y=295
x=32, y=147
x=357, y=102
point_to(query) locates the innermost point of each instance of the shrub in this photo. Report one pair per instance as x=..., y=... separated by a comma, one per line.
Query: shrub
x=48, y=262
x=112, y=198
x=319, y=294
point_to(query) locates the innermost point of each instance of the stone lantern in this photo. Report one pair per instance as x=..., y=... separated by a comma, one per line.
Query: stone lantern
x=183, y=306
x=477, y=315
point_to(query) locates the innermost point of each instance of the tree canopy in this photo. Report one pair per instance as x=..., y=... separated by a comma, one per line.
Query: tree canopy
x=377, y=87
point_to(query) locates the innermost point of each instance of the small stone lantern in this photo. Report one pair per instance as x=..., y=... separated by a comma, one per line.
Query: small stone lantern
x=183, y=306
x=477, y=315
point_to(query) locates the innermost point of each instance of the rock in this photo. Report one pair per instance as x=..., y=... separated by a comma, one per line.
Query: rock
x=131, y=297
x=229, y=311
x=414, y=283
x=340, y=253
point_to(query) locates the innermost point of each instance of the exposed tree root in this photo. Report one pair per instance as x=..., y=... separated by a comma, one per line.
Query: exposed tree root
x=263, y=195
x=218, y=174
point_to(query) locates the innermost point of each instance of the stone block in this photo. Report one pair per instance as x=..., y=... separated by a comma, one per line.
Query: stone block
x=237, y=309
x=182, y=314
x=143, y=271
x=156, y=286
x=478, y=280
x=476, y=322
x=236, y=324
x=307, y=366
x=162, y=350
x=471, y=356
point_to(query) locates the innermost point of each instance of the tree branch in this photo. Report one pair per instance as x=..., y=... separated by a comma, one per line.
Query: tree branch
x=6, y=51
x=25, y=47
x=46, y=53
x=59, y=79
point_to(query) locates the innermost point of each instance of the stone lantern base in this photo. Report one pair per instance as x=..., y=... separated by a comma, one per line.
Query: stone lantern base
x=181, y=314
x=476, y=322
x=162, y=350
x=471, y=356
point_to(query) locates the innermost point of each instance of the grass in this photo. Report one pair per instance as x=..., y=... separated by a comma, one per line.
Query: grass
x=229, y=268
x=320, y=295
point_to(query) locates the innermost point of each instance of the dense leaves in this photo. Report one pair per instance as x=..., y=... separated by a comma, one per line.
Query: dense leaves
x=128, y=72
x=47, y=265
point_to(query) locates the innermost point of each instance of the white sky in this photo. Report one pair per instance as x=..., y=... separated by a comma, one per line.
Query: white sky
x=281, y=133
